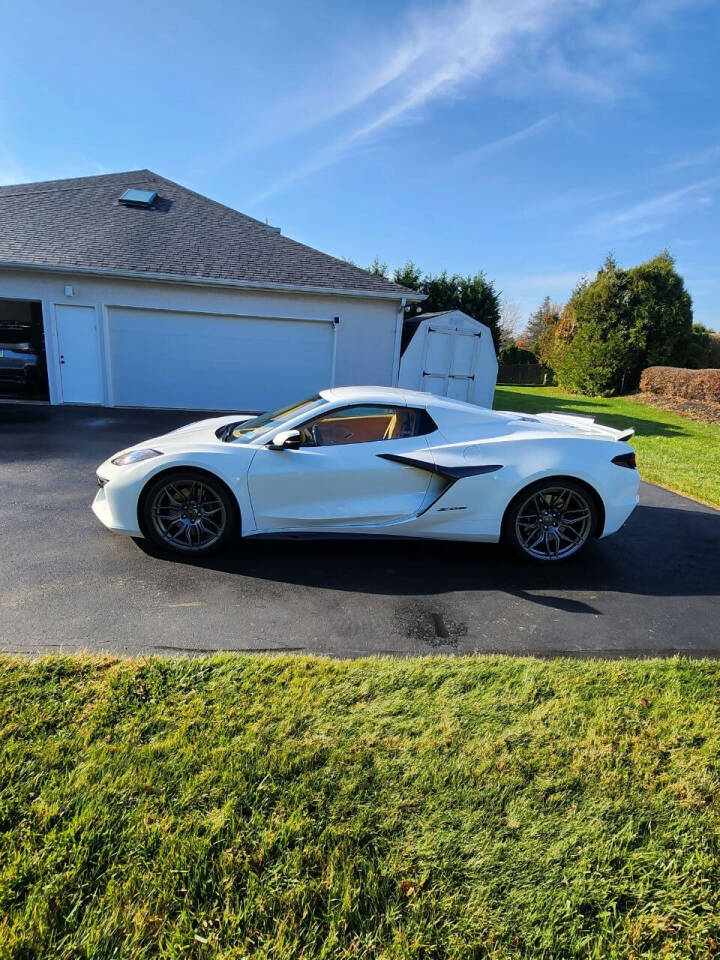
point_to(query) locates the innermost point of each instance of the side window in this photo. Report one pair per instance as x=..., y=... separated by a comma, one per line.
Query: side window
x=365, y=424
x=424, y=423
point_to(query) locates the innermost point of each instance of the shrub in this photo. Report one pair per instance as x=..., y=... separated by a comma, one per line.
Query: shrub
x=714, y=358
x=683, y=383
x=617, y=324
x=698, y=355
x=593, y=362
x=514, y=353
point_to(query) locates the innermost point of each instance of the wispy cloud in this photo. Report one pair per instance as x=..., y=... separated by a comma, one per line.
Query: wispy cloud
x=585, y=83
x=699, y=159
x=319, y=161
x=444, y=51
x=367, y=73
x=502, y=143
x=649, y=215
x=336, y=151
x=456, y=44
x=436, y=51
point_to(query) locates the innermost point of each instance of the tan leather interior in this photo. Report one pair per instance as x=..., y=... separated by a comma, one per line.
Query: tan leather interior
x=365, y=428
x=391, y=427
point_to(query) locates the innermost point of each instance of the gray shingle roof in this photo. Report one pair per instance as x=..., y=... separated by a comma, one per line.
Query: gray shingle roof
x=79, y=223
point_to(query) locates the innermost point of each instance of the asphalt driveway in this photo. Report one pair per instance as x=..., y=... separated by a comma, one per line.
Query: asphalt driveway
x=68, y=584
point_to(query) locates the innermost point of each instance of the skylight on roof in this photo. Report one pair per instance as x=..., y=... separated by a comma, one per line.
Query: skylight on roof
x=138, y=198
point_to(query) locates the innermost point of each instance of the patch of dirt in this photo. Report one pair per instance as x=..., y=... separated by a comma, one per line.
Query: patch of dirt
x=702, y=411
x=430, y=623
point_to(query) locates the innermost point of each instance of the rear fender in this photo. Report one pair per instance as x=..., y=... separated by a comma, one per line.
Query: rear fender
x=591, y=491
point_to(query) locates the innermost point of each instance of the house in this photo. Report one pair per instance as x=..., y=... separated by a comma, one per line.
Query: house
x=128, y=289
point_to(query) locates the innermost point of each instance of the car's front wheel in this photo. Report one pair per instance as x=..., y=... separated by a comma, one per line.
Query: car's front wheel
x=188, y=512
x=551, y=520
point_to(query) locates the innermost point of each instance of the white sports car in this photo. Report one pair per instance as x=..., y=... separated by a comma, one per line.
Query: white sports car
x=375, y=461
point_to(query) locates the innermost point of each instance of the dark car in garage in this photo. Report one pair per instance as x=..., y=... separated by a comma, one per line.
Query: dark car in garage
x=18, y=362
x=23, y=371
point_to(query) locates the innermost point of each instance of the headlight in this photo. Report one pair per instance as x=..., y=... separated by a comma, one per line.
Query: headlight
x=135, y=456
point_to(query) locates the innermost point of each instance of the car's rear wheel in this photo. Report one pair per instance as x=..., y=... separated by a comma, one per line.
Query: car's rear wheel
x=188, y=512
x=550, y=521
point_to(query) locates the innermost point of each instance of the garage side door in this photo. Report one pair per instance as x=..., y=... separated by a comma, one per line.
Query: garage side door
x=186, y=360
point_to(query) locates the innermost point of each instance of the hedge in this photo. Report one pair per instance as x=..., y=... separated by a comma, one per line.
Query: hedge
x=715, y=350
x=680, y=382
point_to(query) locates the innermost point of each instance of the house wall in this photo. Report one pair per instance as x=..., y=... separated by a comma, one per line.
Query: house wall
x=366, y=336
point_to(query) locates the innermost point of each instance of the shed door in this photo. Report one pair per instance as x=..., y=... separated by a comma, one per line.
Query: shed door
x=162, y=358
x=450, y=363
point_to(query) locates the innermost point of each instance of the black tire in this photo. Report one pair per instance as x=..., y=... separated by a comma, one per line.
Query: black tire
x=188, y=512
x=550, y=521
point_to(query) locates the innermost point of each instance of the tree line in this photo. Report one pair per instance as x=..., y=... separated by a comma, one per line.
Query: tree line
x=475, y=294
x=598, y=343
x=617, y=324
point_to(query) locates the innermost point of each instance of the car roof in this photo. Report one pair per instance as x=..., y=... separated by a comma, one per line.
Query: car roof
x=397, y=395
x=364, y=395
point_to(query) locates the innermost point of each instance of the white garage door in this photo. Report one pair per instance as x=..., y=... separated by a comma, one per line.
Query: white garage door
x=195, y=361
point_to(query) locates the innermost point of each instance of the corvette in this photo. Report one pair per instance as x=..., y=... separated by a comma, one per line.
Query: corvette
x=375, y=461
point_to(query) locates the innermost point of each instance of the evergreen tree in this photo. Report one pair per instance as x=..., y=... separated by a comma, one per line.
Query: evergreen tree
x=475, y=295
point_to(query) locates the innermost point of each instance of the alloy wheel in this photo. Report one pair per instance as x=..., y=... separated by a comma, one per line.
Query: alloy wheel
x=553, y=523
x=188, y=514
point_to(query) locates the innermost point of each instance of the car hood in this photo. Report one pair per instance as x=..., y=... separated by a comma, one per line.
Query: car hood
x=199, y=432
x=204, y=430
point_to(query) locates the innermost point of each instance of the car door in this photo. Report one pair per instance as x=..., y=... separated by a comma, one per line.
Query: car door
x=336, y=477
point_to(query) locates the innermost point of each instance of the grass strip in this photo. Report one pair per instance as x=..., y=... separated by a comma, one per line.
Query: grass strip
x=260, y=807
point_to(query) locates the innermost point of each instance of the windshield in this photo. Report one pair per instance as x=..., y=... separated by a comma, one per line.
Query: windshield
x=249, y=429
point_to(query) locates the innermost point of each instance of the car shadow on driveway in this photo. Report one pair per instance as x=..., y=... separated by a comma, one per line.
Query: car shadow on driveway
x=661, y=552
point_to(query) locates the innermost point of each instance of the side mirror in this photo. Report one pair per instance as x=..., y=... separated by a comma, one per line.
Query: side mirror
x=285, y=440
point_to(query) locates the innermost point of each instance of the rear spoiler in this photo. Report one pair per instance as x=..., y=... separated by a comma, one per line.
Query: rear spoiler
x=586, y=425
x=572, y=416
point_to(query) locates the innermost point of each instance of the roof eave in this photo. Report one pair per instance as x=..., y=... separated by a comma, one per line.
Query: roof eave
x=408, y=295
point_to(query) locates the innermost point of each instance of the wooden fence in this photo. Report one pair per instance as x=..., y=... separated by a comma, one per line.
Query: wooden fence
x=531, y=374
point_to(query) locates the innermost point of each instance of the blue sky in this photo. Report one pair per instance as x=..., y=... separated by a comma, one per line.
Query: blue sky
x=526, y=138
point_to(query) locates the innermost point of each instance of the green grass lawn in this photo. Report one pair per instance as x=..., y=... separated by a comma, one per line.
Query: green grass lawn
x=256, y=807
x=673, y=451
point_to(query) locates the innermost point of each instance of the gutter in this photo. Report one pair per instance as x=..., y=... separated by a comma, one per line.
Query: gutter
x=398, y=340
x=213, y=282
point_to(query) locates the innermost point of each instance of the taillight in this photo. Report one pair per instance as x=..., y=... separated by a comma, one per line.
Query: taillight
x=626, y=460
